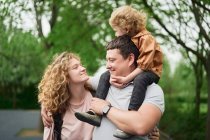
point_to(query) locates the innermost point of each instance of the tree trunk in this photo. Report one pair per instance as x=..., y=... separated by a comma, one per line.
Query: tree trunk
x=197, y=97
x=208, y=112
x=199, y=82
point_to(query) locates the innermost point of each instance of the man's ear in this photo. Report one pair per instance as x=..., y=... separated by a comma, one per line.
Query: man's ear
x=131, y=59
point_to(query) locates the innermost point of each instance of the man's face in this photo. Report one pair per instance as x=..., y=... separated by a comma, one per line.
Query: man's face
x=116, y=64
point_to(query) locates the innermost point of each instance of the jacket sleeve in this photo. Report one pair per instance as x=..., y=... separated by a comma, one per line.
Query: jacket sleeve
x=147, y=52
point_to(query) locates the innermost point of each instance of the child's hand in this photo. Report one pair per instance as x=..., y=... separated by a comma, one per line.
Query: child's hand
x=118, y=81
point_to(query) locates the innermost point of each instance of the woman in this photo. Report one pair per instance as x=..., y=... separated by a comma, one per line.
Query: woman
x=63, y=90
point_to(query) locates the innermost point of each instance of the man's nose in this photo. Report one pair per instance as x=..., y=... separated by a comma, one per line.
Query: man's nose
x=108, y=65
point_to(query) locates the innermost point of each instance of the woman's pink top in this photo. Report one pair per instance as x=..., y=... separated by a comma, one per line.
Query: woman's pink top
x=72, y=128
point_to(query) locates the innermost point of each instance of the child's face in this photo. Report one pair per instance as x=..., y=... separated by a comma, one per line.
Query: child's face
x=119, y=31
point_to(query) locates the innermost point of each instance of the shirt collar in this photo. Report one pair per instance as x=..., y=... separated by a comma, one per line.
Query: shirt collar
x=128, y=84
x=143, y=32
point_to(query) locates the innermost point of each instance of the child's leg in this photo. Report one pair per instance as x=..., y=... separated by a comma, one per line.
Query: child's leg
x=141, y=82
x=103, y=85
x=101, y=92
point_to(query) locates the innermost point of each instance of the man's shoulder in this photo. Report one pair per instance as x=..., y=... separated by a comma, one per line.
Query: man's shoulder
x=154, y=91
x=154, y=95
x=155, y=87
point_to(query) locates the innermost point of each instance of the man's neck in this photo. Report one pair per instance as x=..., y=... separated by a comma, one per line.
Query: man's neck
x=130, y=70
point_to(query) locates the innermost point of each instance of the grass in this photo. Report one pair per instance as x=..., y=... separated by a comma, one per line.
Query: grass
x=29, y=133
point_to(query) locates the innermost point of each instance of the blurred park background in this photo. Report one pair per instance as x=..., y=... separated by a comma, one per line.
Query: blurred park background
x=32, y=31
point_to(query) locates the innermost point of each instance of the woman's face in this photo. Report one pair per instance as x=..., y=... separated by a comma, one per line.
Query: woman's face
x=77, y=72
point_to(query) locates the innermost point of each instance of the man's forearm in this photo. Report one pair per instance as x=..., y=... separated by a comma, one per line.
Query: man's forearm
x=139, y=122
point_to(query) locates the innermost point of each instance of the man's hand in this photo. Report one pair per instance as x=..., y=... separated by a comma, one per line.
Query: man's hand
x=118, y=81
x=46, y=117
x=97, y=105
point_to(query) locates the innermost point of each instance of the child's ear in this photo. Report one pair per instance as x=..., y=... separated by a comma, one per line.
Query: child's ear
x=127, y=31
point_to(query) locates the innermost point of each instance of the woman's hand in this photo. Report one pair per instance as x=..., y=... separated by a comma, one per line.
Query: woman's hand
x=46, y=117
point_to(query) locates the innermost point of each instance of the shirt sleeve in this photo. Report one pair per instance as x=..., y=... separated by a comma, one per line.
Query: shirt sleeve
x=147, y=52
x=94, y=80
x=155, y=96
x=48, y=133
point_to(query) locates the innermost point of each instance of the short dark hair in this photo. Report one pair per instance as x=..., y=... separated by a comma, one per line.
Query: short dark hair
x=125, y=45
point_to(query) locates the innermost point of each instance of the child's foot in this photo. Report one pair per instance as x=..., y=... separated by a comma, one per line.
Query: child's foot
x=122, y=135
x=89, y=117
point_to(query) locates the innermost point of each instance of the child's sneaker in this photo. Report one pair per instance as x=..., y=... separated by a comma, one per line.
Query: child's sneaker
x=89, y=117
x=122, y=135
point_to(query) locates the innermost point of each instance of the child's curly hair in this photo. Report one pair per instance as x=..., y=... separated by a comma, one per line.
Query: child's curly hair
x=53, y=89
x=128, y=19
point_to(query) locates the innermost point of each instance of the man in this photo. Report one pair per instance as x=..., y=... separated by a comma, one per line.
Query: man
x=121, y=60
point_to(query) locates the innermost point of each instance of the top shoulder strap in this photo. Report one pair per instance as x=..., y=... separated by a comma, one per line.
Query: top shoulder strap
x=58, y=122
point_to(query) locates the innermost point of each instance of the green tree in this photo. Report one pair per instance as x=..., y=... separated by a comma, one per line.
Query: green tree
x=166, y=77
x=21, y=62
x=188, y=26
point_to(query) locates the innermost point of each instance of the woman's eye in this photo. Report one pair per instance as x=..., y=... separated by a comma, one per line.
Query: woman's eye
x=74, y=67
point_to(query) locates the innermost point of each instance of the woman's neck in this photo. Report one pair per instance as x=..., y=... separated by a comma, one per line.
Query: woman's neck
x=78, y=93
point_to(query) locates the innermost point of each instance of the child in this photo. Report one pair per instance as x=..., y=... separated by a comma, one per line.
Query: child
x=127, y=20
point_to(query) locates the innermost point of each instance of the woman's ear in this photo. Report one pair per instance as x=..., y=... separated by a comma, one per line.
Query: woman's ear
x=131, y=59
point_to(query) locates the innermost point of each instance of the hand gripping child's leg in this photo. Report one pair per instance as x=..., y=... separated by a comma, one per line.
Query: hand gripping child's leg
x=90, y=116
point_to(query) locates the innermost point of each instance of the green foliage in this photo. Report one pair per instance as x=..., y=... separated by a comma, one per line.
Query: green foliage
x=179, y=120
x=73, y=33
x=183, y=78
x=22, y=62
x=21, y=59
x=166, y=77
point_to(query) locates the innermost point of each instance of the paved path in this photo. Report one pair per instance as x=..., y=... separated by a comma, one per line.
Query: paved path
x=13, y=121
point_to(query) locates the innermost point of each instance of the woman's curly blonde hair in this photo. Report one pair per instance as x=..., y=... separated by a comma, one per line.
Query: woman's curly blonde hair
x=54, y=93
x=128, y=19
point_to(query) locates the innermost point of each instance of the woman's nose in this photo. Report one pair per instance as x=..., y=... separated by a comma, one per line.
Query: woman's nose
x=83, y=68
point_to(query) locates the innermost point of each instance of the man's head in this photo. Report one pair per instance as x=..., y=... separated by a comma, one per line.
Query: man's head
x=121, y=56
